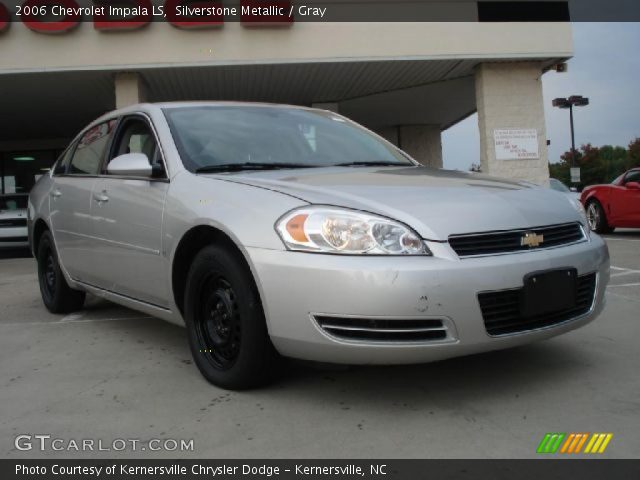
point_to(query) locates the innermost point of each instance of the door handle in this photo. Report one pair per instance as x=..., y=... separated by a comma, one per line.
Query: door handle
x=101, y=198
x=56, y=193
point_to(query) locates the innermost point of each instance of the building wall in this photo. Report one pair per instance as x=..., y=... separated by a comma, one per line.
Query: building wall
x=160, y=44
x=509, y=95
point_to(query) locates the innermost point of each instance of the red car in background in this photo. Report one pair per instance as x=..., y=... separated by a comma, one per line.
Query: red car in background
x=614, y=205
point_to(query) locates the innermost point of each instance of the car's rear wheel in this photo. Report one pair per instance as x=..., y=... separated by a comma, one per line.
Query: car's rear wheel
x=225, y=322
x=56, y=293
x=597, y=218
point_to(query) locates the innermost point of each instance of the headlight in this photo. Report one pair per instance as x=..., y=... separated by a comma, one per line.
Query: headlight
x=577, y=204
x=336, y=230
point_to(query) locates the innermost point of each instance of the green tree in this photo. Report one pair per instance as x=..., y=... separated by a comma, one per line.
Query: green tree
x=597, y=164
x=560, y=171
x=614, y=160
x=633, y=154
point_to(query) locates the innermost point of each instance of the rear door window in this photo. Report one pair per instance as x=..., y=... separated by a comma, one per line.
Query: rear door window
x=63, y=162
x=91, y=148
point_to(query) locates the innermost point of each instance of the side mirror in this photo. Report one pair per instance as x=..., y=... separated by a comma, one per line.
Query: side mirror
x=573, y=189
x=130, y=165
x=633, y=185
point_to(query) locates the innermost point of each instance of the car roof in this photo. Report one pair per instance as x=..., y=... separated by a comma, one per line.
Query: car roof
x=159, y=106
x=195, y=104
x=225, y=104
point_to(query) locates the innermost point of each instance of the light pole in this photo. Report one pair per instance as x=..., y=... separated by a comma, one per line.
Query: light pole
x=578, y=101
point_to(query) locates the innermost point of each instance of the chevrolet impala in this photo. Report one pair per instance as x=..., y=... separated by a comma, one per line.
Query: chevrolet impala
x=278, y=231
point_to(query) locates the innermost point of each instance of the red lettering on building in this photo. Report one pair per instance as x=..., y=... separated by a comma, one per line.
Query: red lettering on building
x=31, y=20
x=253, y=13
x=4, y=18
x=107, y=23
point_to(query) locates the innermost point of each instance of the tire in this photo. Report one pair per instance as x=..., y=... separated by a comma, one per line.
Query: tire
x=56, y=293
x=597, y=218
x=225, y=322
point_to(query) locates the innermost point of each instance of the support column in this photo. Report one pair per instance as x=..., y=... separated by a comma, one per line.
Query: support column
x=422, y=142
x=509, y=96
x=390, y=134
x=129, y=89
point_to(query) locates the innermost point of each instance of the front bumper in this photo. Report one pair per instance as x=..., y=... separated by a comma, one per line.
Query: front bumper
x=297, y=286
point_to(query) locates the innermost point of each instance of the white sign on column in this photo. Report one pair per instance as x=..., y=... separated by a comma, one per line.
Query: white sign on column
x=516, y=144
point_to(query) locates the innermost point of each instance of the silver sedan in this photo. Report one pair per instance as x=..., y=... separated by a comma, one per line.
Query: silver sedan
x=278, y=231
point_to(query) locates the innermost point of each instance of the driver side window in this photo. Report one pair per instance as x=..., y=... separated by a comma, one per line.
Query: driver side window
x=136, y=136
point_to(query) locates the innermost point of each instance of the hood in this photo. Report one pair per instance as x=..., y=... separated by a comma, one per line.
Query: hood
x=436, y=203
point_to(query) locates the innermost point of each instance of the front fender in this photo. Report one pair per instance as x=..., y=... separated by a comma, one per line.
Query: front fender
x=245, y=214
x=594, y=194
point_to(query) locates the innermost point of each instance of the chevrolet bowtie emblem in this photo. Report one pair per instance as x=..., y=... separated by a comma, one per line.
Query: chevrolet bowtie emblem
x=531, y=239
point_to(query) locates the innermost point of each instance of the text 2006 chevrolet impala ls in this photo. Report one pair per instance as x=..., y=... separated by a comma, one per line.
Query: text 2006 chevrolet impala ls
x=277, y=230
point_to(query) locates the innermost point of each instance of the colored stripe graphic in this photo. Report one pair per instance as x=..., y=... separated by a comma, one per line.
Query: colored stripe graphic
x=598, y=443
x=568, y=442
x=573, y=443
x=551, y=442
x=581, y=443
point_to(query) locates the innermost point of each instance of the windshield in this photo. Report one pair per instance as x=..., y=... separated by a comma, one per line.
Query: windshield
x=239, y=135
x=13, y=202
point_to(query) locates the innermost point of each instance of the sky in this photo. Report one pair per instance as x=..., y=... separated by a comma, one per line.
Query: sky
x=606, y=68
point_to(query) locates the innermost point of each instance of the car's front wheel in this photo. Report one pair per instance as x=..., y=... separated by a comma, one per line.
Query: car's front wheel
x=56, y=293
x=597, y=218
x=225, y=321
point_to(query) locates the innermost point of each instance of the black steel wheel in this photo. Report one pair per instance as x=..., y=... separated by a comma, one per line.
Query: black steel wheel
x=56, y=293
x=49, y=275
x=225, y=321
x=218, y=322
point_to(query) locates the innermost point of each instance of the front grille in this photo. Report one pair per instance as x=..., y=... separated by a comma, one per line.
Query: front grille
x=501, y=309
x=383, y=330
x=492, y=243
x=13, y=222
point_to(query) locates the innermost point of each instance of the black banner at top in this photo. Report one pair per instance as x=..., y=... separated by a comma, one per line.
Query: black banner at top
x=191, y=13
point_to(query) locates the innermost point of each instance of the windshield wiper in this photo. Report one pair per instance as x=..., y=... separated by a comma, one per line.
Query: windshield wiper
x=238, y=167
x=373, y=164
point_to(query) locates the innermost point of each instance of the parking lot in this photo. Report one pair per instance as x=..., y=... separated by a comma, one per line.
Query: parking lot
x=108, y=372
